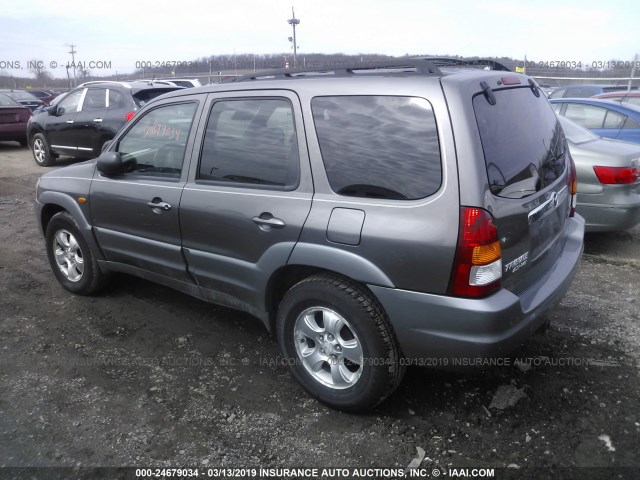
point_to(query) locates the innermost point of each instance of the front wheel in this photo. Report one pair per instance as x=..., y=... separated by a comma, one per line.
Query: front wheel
x=338, y=343
x=41, y=151
x=70, y=257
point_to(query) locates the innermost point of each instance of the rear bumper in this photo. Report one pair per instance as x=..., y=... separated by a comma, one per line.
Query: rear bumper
x=448, y=331
x=616, y=208
x=610, y=218
x=13, y=131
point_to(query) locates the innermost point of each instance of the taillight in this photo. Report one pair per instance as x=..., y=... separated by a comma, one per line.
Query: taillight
x=572, y=183
x=129, y=116
x=477, y=268
x=617, y=175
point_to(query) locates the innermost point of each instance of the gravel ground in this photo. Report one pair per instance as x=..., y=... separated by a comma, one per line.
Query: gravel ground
x=144, y=376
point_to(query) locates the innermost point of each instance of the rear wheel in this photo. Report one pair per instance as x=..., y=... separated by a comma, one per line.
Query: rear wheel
x=72, y=261
x=338, y=342
x=41, y=151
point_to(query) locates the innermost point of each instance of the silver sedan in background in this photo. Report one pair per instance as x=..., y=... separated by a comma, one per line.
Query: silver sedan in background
x=608, y=179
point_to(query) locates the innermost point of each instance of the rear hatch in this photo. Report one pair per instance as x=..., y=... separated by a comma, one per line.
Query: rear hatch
x=526, y=160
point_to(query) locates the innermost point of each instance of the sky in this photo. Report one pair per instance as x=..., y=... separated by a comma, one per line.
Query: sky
x=121, y=33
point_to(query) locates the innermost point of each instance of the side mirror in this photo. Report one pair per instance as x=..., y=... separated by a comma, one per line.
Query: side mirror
x=110, y=163
x=53, y=110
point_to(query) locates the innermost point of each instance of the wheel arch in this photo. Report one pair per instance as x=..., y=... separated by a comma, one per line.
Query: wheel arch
x=55, y=202
x=308, y=259
x=33, y=130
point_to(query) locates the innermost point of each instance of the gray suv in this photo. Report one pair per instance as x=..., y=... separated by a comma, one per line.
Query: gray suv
x=372, y=217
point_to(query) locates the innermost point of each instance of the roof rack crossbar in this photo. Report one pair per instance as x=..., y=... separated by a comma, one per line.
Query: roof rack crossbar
x=419, y=67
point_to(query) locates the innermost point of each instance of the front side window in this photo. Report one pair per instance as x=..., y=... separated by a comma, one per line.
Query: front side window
x=383, y=147
x=70, y=103
x=155, y=145
x=251, y=142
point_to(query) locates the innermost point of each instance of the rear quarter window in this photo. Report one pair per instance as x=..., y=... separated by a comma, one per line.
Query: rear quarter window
x=379, y=146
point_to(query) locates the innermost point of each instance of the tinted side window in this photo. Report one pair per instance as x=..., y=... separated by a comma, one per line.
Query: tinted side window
x=117, y=100
x=585, y=115
x=379, y=146
x=95, y=99
x=70, y=103
x=155, y=145
x=251, y=142
x=614, y=120
x=630, y=123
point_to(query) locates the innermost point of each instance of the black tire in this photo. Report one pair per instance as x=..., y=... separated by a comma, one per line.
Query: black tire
x=91, y=278
x=381, y=370
x=41, y=150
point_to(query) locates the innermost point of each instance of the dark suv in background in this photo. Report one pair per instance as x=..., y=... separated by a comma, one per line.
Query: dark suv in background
x=371, y=217
x=87, y=117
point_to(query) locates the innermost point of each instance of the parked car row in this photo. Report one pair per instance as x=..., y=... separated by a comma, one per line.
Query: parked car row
x=602, y=127
x=24, y=98
x=608, y=179
x=38, y=101
x=87, y=117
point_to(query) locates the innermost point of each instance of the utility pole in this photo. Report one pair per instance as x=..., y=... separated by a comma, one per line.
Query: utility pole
x=633, y=72
x=293, y=22
x=73, y=60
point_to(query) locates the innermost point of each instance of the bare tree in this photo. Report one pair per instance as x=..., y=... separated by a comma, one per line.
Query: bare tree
x=85, y=73
x=38, y=70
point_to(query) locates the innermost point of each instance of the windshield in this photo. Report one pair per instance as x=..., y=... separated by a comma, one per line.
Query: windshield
x=24, y=96
x=575, y=133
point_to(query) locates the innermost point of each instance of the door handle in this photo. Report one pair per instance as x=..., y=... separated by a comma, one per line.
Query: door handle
x=266, y=222
x=158, y=204
x=69, y=121
x=97, y=120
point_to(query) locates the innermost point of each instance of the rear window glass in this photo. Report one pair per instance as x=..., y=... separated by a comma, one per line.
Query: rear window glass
x=145, y=96
x=6, y=101
x=379, y=146
x=522, y=140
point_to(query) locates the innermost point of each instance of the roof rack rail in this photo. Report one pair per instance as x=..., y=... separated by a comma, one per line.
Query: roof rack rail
x=98, y=82
x=415, y=66
x=461, y=62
